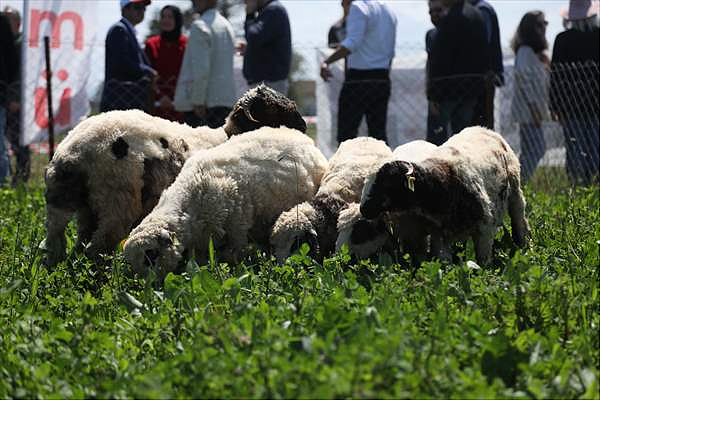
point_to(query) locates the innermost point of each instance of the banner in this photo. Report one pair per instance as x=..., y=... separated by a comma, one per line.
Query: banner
x=72, y=29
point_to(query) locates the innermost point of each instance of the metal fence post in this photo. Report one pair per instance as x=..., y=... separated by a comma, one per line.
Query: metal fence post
x=50, y=109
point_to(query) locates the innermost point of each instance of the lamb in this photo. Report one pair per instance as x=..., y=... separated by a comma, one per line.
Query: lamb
x=463, y=189
x=314, y=222
x=111, y=168
x=227, y=194
x=365, y=237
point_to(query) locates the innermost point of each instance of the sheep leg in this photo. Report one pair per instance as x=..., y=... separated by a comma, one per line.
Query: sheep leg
x=111, y=229
x=483, y=242
x=54, y=245
x=440, y=247
x=516, y=203
x=86, y=226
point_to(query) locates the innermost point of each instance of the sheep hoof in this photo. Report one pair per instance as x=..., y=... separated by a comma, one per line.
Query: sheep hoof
x=472, y=265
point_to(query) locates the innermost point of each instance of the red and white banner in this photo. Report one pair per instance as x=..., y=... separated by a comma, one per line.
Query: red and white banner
x=72, y=28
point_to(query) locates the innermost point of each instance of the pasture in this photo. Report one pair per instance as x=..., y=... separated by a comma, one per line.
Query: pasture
x=528, y=326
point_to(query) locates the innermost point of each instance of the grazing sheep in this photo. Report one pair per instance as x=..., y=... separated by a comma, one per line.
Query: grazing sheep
x=110, y=171
x=365, y=237
x=314, y=222
x=111, y=168
x=263, y=106
x=463, y=189
x=229, y=194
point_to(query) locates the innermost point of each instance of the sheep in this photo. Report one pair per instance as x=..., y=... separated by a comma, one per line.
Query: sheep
x=314, y=222
x=463, y=189
x=110, y=171
x=365, y=237
x=263, y=106
x=111, y=168
x=227, y=194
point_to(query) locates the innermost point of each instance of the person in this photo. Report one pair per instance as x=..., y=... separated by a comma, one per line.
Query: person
x=165, y=52
x=457, y=73
x=12, y=127
x=8, y=68
x=267, y=52
x=496, y=71
x=206, y=87
x=436, y=132
x=369, y=47
x=531, y=98
x=575, y=90
x=128, y=73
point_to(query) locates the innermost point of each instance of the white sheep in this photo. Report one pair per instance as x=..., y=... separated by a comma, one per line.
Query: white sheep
x=463, y=189
x=111, y=168
x=315, y=222
x=109, y=171
x=229, y=194
x=365, y=237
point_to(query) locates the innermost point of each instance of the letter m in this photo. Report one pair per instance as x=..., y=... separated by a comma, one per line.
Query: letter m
x=37, y=16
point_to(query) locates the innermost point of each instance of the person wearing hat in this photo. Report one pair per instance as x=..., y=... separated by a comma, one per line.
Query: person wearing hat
x=128, y=73
x=575, y=89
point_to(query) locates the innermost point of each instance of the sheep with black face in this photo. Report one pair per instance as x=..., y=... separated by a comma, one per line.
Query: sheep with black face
x=462, y=190
x=231, y=195
x=263, y=106
x=314, y=222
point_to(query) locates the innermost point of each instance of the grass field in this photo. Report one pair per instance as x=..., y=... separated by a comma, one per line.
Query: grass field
x=526, y=327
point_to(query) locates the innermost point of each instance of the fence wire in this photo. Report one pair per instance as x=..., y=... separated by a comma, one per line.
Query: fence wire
x=550, y=116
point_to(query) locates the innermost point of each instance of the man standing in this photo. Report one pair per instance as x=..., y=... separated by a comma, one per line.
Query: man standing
x=206, y=87
x=492, y=29
x=369, y=47
x=436, y=131
x=268, y=51
x=8, y=67
x=127, y=71
x=12, y=127
x=457, y=73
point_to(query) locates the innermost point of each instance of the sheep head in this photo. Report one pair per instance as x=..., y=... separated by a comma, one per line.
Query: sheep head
x=364, y=237
x=292, y=229
x=153, y=245
x=391, y=188
x=260, y=107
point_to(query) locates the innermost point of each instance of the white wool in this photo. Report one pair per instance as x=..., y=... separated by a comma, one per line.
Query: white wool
x=230, y=194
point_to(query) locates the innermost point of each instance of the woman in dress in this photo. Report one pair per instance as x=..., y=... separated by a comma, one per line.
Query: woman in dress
x=165, y=52
x=531, y=97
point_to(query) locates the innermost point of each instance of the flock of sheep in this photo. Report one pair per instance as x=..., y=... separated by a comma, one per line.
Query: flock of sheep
x=167, y=190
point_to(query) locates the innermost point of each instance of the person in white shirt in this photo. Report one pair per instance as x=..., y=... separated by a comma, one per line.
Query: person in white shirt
x=531, y=95
x=205, y=89
x=369, y=48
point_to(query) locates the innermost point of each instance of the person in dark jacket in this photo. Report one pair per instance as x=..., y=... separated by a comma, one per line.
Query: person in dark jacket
x=128, y=73
x=574, y=92
x=8, y=70
x=12, y=128
x=457, y=73
x=268, y=52
x=436, y=131
x=496, y=76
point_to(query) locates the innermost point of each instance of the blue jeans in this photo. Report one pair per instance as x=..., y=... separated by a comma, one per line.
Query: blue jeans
x=4, y=160
x=583, y=149
x=532, y=149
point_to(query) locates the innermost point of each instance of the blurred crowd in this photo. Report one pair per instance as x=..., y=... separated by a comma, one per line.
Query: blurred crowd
x=192, y=79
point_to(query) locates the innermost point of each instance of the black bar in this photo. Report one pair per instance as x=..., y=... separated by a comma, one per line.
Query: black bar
x=47, y=57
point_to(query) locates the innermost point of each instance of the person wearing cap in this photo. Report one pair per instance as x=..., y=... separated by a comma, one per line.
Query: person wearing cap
x=575, y=89
x=128, y=73
x=205, y=89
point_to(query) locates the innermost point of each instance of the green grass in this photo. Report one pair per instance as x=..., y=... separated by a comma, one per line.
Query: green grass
x=527, y=327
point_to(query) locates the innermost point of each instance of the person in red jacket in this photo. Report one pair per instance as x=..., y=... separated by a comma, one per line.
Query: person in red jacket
x=165, y=52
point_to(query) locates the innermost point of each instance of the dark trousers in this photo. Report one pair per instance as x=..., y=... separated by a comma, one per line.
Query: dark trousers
x=583, y=149
x=22, y=153
x=364, y=93
x=215, y=117
x=533, y=147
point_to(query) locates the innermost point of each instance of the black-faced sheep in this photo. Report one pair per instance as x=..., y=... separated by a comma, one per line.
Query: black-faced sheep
x=462, y=190
x=229, y=194
x=263, y=106
x=315, y=222
x=365, y=237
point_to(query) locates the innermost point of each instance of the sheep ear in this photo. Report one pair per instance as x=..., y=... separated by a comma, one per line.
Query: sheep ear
x=119, y=148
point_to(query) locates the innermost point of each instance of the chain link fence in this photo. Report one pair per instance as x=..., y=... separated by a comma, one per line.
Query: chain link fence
x=549, y=116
